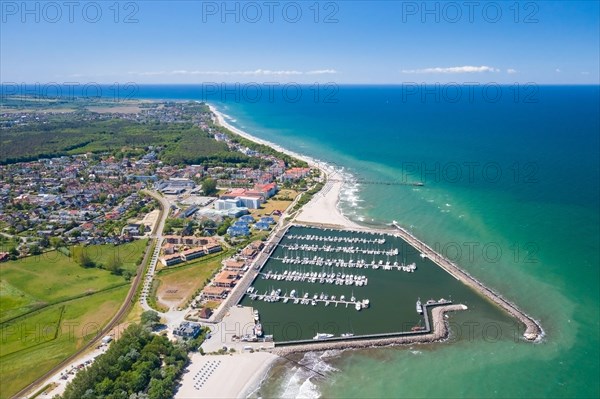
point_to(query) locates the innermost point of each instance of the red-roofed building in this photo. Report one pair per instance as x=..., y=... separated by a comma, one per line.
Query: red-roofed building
x=234, y=265
x=213, y=293
x=170, y=260
x=193, y=253
x=225, y=279
x=234, y=193
x=295, y=174
x=268, y=190
x=211, y=248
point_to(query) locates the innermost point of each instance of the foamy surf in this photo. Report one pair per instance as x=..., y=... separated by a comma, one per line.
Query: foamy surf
x=299, y=382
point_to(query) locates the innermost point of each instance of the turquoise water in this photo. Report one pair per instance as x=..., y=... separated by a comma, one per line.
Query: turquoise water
x=525, y=222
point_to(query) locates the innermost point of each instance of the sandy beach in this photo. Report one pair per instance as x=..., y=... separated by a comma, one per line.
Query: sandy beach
x=224, y=376
x=324, y=206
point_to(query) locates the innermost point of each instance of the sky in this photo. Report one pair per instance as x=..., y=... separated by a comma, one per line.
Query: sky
x=345, y=42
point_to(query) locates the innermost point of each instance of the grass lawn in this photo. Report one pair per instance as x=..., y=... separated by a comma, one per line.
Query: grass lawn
x=34, y=344
x=212, y=304
x=276, y=203
x=50, y=306
x=130, y=254
x=35, y=281
x=177, y=286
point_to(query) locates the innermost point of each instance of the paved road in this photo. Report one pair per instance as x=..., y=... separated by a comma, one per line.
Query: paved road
x=173, y=317
x=158, y=237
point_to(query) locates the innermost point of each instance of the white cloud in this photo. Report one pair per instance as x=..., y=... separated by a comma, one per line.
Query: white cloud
x=263, y=72
x=558, y=70
x=322, y=72
x=460, y=69
x=585, y=73
x=511, y=70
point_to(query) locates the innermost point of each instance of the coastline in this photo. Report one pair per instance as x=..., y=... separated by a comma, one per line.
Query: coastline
x=323, y=210
x=226, y=376
x=324, y=207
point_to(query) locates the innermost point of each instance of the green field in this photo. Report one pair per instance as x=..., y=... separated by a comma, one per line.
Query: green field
x=130, y=254
x=34, y=344
x=37, y=281
x=50, y=306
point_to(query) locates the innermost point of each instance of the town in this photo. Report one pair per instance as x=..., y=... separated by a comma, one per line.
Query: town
x=131, y=175
x=97, y=198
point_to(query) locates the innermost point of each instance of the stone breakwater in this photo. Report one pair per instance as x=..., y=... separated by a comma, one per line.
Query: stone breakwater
x=439, y=332
x=533, y=331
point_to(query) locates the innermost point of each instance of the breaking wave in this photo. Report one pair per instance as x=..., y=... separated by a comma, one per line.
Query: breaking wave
x=301, y=380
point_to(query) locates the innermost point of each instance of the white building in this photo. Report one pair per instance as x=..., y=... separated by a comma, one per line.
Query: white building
x=251, y=202
x=225, y=204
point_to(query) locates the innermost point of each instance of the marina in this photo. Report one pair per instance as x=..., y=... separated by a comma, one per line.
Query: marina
x=320, y=281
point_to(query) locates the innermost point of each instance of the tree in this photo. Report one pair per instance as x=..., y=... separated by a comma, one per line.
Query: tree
x=44, y=242
x=209, y=186
x=115, y=265
x=34, y=249
x=84, y=259
x=56, y=242
x=150, y=318
x=13, y=253
x=222, y=229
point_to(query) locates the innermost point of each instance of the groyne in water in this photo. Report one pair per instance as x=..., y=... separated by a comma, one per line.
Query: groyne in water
x=533, y=331
x=439, y=331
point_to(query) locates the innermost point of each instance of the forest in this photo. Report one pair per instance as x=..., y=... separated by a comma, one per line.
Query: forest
x=139, y=364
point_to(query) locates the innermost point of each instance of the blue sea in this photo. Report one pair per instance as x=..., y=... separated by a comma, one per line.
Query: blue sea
x=511, y=194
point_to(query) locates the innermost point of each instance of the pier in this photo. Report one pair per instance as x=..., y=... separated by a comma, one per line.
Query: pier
x=307, y=299
x=359, y=263
x=314, y=237
x=533, y=331
x=344, y=249
x=314, y=278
